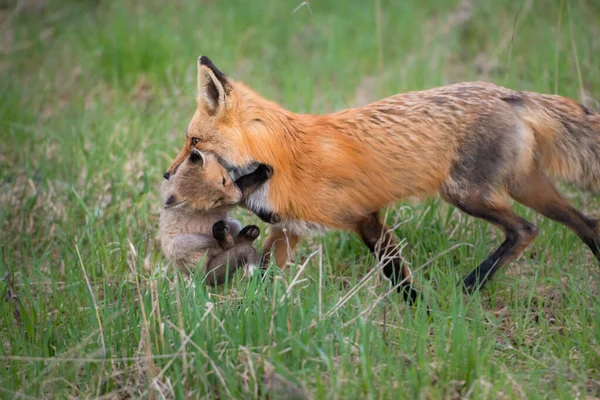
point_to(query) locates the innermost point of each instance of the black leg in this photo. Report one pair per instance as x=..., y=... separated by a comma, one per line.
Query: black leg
x=380, y=241
x=536, y=191
x=519, y=233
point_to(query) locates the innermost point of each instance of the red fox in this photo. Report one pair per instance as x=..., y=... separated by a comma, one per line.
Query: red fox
x=476, y=144
x=194, y=224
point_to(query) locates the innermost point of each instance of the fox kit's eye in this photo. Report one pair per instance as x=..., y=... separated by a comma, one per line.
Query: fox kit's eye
x=195, y=141
x=224, y=181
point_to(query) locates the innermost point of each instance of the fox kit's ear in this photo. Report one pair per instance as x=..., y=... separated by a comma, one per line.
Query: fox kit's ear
x=197, y=158
x=213, y=87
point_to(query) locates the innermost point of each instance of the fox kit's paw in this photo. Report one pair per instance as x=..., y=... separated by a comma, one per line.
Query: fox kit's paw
x=250, y=232
x=221, y=231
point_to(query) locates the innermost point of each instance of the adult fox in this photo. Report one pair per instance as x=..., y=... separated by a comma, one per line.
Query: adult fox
x=475, y=144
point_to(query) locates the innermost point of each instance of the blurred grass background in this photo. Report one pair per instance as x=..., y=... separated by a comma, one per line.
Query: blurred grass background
x=95, y=97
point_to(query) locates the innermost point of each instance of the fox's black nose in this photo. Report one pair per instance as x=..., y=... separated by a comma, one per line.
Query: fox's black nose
x=166, y=175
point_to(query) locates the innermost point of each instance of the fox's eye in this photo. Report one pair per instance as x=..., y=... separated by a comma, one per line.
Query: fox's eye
x=195, y=141
x=224, y=181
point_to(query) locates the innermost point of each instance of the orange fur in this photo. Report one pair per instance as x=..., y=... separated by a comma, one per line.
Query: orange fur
x=467, y=140
x=359, y=160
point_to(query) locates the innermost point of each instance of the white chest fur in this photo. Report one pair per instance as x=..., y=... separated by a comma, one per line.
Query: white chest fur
x=259, y=202
x=303, y=228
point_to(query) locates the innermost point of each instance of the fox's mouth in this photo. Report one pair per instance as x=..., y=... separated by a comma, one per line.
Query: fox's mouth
x=225, y=163
x=238, y=172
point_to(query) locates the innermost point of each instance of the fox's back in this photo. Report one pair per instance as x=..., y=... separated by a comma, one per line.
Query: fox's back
x=362, y=159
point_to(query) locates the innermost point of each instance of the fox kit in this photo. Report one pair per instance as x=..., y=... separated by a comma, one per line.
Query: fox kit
x=194, y=224
x=476, y=144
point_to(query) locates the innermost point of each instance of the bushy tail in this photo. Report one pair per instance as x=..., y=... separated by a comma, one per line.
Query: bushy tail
x=567, y=135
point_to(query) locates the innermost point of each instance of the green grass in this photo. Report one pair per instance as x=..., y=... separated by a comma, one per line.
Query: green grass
x=95, y=98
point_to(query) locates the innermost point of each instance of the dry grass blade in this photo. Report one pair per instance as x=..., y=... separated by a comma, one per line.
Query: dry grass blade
x=180, y=351
x=11, y=293
x=97, y=311
x=512, y=41
x=575, y=55
x=81, y=359
x=297, y=277
x=216, y=369
x=557, y=47
x=395, y=287
x=145, y=341
x=303, y=4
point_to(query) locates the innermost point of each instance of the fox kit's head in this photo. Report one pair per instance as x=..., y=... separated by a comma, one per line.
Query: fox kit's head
x=229, y=119
x=201, y=184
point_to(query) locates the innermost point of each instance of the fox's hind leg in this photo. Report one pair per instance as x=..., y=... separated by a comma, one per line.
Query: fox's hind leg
x=493, y=207
x=536, y=191
x=497, y=147
x=380, y=240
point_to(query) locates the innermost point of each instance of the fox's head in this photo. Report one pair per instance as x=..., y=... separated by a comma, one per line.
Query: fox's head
x=230, y=119
x=201, y=184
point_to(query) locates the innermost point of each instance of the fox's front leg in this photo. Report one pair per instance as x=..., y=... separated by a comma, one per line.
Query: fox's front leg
x=380, y=240
x=281, y=243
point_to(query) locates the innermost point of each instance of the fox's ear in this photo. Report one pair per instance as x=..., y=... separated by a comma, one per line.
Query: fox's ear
x=213, y=86
x=197, y=158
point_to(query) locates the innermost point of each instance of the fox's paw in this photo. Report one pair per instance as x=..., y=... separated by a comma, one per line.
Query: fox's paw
x=249, y=232
x=409, y=293
x=412, y=296
x=471, y=282
x=221, y=229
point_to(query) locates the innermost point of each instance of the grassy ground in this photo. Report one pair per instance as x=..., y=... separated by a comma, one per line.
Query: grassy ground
x=94, y=103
